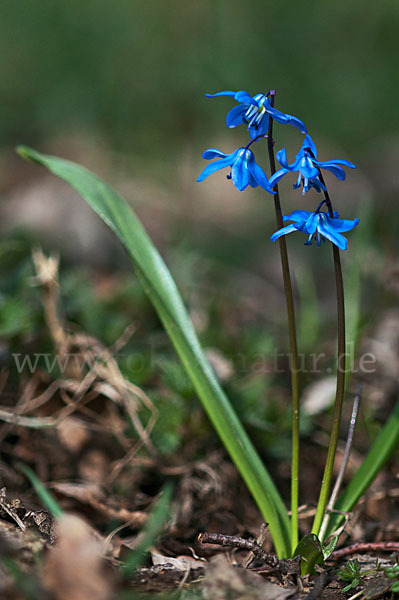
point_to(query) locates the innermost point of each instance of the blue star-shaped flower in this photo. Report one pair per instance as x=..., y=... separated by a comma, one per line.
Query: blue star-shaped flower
x=319, y=225
x=308, y=167
x=244, y=170
x=255, y=111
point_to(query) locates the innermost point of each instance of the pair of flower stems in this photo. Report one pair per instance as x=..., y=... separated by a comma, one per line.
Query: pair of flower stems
x=258, y=113
x=340, y=389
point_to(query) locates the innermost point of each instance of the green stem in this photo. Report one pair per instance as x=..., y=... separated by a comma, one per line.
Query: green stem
x=293, y=343
x=340, y=390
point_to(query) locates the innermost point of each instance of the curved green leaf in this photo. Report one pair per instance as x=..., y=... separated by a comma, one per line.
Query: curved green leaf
x=151, y=531
x=311, y=552
x=166, y=299
x=45, y=496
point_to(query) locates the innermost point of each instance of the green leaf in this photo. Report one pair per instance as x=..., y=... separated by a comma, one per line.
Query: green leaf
x=392, y=572
x=350, y=571
x=387, y=441
x=311, y=552
x=151, y=531
x=167, y=432
x=27, y=584
x=15, y=317
x=352, y=585
x=48, y=500
x=162, y=291
x=329, y=547
x=175, y=376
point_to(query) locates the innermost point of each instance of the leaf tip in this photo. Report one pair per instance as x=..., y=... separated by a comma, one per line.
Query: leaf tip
x=25, y=152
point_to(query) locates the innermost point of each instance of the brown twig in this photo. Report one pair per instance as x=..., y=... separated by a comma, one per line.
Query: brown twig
x=259, y=541
x=365, y=547
x=232, y=541
x=8, y=508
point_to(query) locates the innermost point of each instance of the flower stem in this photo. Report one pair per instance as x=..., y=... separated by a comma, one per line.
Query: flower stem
x=343, y=465
x=340, y=390
x=293, y=343
x=256, y=139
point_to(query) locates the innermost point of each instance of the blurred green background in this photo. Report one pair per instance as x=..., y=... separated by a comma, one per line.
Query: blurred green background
x=136, y=71
x=129, y=77
x=119, y=86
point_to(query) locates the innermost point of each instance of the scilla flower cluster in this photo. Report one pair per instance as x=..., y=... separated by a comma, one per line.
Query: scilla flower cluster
x=256, y=112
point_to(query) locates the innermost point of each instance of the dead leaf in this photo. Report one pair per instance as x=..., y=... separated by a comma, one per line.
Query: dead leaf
x=224, y=582
x=222, y=366
x=74, y=568
x=43, y=521
x=94, y=466
x=318, y=396
x=180, y=563
x=377, y=587
x=72, y=433
x=93, y=495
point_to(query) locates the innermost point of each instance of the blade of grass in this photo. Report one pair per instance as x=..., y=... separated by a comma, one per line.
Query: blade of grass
x=27, y=584
x=166, y=299
x=151, y=531
x=386, y=442
x=48, y=500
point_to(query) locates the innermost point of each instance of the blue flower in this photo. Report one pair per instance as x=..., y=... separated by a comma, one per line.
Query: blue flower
x=255, y=112
x=319, y=225
x=244, y=170
x=308, y=167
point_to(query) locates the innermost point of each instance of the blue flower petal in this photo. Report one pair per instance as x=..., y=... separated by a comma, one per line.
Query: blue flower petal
x=258, y=174
x=297, y=123
x=244, y=170
x=284, y=118
x=262, y=100
x=318, y=225
x=342, y=225
x=236, y=115
x=245, y=98
x=335, y=170
x=213, y=153
x=310, y=225
x=282, y=158
x=252, y=181
x=215, y=166
x=282, y=231
x=307, y=169
x=298, y=216
x=276, y=177
x=261, y=128
x=309, y=143
x=221, y=94
x=295, y=166
x=332, y=166
x=317, y=185
x=239, y=170
x=335, y=238
x=340, y=161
